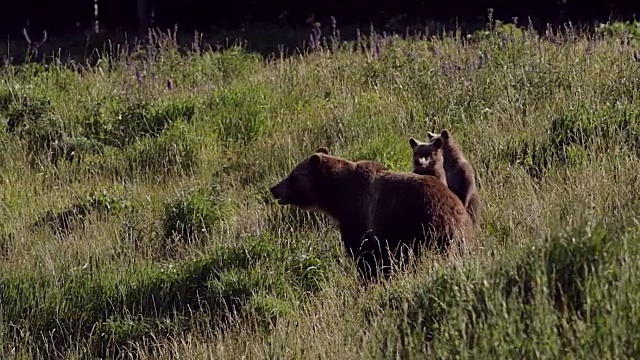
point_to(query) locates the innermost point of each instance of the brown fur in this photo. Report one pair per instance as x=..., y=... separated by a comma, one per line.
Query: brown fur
x=459, y=172
x=368, y=201
x=369, y=164
x=428, y=159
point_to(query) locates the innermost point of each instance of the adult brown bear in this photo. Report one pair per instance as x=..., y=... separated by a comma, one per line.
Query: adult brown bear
x=374, y=206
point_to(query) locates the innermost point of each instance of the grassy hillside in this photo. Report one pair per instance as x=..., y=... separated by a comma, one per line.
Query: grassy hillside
x=134, y=219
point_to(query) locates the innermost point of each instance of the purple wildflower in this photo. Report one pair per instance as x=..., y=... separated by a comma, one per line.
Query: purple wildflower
x=450, y=69
x=314, y=37
x=446, y=67
x=376, y=45
x=481, y=60
x=589, y=49
x=411, y=56
x=334, y=26
x=504, y=38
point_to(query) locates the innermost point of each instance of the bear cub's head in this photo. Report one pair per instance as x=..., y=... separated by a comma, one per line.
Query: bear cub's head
x=428, y=158
x=299, y=187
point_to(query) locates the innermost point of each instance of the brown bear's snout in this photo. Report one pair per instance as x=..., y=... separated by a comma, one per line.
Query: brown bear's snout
x=276, y=191
x=273, y=190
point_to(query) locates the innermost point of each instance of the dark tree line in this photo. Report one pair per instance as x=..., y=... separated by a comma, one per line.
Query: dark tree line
x=64, y=16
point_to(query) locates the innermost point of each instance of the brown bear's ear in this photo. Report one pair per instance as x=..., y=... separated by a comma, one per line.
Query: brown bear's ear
x=445, y=134
x=315, y=160
x=431, y=135
x=323, y=150
x=413, y=142
x=437, y=143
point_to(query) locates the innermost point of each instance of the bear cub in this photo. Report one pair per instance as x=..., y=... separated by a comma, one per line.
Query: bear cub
x=429, y=159
x=459, y=174
x=378, y=211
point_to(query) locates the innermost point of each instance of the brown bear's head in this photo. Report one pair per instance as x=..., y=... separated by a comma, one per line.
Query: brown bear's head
x=428, y=158
x=299, y=187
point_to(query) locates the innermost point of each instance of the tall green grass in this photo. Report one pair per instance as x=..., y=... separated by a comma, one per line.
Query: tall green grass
x=135, y=221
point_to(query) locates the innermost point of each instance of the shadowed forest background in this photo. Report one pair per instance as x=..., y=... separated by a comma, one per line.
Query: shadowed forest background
x=274, y=26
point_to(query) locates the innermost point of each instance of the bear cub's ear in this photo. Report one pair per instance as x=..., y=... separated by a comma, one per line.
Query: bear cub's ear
x=413, y=142
x=323, y=150
x=437, y=143
x=432, y=135
x=445, y=134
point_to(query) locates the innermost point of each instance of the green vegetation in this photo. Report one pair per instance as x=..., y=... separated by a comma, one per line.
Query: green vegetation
x=134, y=220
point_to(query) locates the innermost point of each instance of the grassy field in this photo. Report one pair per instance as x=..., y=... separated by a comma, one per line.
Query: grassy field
x=134, y=220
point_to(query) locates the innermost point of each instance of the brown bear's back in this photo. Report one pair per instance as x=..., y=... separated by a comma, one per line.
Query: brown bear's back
x=405, y=203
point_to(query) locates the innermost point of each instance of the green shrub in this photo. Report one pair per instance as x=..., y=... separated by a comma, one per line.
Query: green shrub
x=571, y=136
x=147, y=300
x=31, y=119
x=551, y=283
x=175, y=152
x=194, y=214
x=119, y=122
x=64, y=221
x=629, y=30
x=240, y=114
